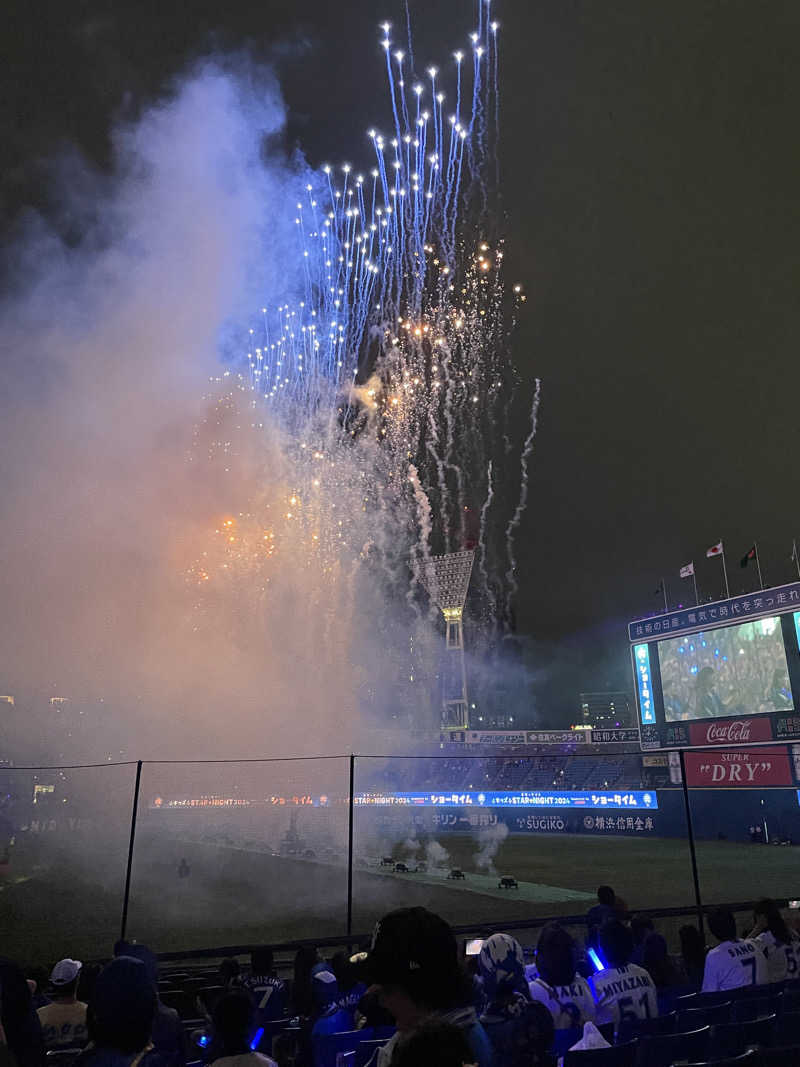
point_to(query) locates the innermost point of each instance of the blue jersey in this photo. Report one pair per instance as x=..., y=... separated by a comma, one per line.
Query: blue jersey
x=269, y=996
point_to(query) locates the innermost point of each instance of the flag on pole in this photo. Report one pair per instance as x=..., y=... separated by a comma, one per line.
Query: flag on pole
x=659, y=589
x=688, y=570
x=749, y=554
x=715, y=550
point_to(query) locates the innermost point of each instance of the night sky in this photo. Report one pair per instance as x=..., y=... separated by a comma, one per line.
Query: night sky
x=651, y=171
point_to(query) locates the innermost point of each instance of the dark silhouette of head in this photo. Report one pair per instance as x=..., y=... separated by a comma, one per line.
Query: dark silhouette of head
x=616, y=943
x=722, y=924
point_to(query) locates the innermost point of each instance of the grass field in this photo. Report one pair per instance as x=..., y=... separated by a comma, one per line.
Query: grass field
x=55, y=904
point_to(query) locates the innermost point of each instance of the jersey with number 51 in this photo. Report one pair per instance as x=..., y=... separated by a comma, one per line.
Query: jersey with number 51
x=624, y=994
x=733, y=964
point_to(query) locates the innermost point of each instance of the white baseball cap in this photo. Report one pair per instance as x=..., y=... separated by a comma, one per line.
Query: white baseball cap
x=65, y=971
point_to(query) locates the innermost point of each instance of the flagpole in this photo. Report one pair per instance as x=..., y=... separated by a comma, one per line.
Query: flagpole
x=725, y=572
x=796, y=560
x=694, y=579
x=758, y=565
x=664, y=591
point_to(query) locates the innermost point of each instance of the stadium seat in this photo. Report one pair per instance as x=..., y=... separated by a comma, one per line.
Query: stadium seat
x=614, y=1056
x=791, y=998
x=367, y=1050
x=750, y=1057
x=326, y=1047
x=779, y=1056
x=660, y=1050
x=731, y=1039
x=209, y=995
x=749, y=1008
x=694, y=1018
x=703, y=1000
x=181, y=1001
x=63, y=1057
x=662, y=1024
x=269, y=1031
x=788, y=1031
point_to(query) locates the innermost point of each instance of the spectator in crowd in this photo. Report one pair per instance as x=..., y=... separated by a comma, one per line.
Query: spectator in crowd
x=604, y=909
x=267, y=991
x=433, y=1044
x=63, y=1021
x=501, y=968
x=234, y=1028
x=658, y=963
x=414, y=960
x=734, y=962
x=229, y=971
x=623, y=991
x=168, y=1036
x=781, y=945
x=305, y=961
x=557, y=985
x=20, y=1032
x=641, y=927
x=331, y=1017
x=348, y=971
x=693, y=954
x=120, y=1017
x=520, y=1030
x=40, y=979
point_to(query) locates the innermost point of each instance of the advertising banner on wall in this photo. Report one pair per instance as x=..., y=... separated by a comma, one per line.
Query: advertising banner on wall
x=730, y=731
x=754, y=768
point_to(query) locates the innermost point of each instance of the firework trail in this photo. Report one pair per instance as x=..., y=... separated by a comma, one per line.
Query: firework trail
x=522, y=503
x=387, y=378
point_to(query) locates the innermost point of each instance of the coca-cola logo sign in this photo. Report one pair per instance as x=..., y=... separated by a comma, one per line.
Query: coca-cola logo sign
x=730, y=731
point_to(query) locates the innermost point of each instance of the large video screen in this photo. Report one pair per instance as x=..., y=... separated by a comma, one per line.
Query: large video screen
x=735, y=670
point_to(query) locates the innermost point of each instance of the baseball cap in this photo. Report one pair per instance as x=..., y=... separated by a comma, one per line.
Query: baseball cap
x=410, y=940
x=324, y=987
x=501, y=963
x=65, y=971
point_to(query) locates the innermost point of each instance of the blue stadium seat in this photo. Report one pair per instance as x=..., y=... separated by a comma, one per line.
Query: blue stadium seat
x=614, y=1056
x=661, y=1050
x=731, y=1039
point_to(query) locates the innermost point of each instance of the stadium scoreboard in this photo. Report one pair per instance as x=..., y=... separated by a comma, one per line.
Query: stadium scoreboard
x=725, y=673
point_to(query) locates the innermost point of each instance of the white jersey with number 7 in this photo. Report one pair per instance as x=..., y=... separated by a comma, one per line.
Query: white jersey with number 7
x=733, y=964
x=624, y=995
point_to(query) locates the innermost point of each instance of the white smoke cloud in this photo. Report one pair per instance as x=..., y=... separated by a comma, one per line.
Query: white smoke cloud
x=490, y=838
x=119, y=457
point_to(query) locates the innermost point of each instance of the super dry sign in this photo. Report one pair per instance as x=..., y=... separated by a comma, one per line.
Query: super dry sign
x=768, y=766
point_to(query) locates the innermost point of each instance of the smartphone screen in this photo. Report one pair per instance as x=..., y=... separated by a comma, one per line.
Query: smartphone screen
x=473, y=948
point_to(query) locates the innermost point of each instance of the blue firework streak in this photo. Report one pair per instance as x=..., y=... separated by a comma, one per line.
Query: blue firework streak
x=400, y=336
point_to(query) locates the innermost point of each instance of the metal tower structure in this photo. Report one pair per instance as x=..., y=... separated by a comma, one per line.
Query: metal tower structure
x=446, y=579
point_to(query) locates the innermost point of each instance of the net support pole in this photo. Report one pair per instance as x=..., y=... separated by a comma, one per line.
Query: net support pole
x=350, y=810
x=126, y=898
x=690, y=834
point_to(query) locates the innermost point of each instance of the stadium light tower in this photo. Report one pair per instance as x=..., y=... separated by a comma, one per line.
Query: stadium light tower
x=446, y=579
